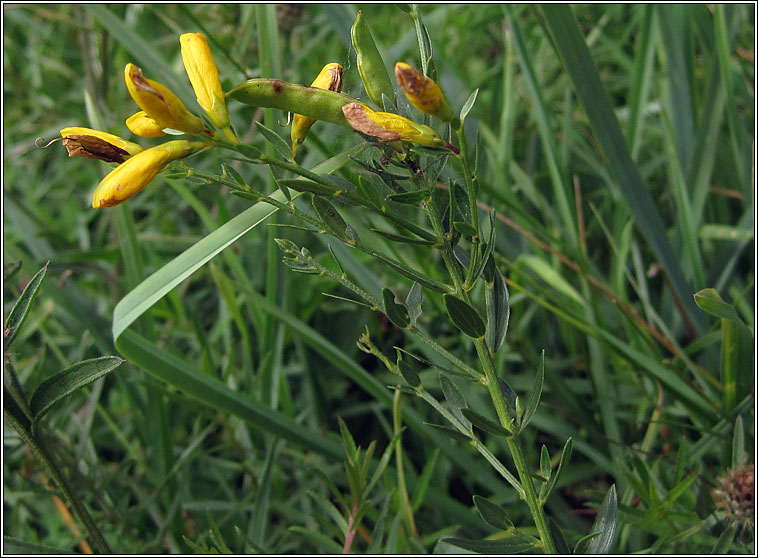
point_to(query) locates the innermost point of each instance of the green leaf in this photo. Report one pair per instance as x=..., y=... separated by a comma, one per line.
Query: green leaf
x=483, y=423
x=497, y=301
x=724, y=542
x=233, y=174
x=570, y=46
x=383, y=461
x=16, y=546
x=709, y=300
x=249, y=151
x=459, y=202
x=319, y=540
x=738, y=444
x=512, y=545
x=545, y=467
x=276, y=140
x=565, y=456
x=397, y=313
x=407, y=370
x=406, y=239
x=492, y=513
x=534, y=394
x=410, y=198
x=454, y=434
x=561, y=546
x=305, y=185
x=347, y=440
x=67, y=381
x=333, y=221
x=469, y=104
x=550, y=275
x=413, y=303
x=605, y=524
x=464, y=317
x=330, y=510
x=465, y=229
x=19, y=311
x=216, y=535
x=424, y=480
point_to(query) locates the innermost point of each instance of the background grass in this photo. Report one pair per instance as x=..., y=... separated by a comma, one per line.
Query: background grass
x=606, y=228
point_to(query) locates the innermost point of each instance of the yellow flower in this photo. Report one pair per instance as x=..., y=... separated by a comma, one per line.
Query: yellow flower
x=131, y=177
x=330, y=78
x=387, y=126
x=423, y=92
x=160, y=104
x=94, y=144
x=142, y=125
x=203, y=75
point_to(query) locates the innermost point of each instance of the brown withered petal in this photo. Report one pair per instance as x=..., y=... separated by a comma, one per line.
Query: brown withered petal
x=92, y=147
x=335, y=79
x=142, y=84
x=357, y=118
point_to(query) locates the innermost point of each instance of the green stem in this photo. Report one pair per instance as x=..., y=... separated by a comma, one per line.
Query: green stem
x=397, y=425
x=498, y=400
x=39, y=449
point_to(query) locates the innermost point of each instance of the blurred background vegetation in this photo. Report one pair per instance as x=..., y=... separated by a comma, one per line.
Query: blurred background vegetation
x=162, y=473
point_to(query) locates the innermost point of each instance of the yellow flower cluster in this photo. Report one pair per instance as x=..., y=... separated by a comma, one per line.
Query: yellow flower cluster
x=160, y=110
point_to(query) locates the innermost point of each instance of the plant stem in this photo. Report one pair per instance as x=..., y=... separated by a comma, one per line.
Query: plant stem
x=39, y=449
x=498, y=400
x=397, y=424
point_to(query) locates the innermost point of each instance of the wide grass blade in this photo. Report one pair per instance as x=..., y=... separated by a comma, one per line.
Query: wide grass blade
x=577, y=60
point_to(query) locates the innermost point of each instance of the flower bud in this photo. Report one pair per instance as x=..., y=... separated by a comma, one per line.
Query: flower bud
x=94, y=144
x=423, y=92
x=203, y=75
x=160, y=103
x=132, y=176
x=387, y=126
x=330, y=78
x=142, y=125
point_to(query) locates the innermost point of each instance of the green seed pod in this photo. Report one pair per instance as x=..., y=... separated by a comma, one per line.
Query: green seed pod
x=320, y=104
x=371, y=67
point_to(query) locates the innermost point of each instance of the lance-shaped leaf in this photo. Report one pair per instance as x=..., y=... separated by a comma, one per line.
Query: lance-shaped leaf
x=464, y=317
x=492, y=513
x=413, y=303
x=497, y=301
x=605, y=524
x=69, y=380
x=407, y=370
x=397, y=313
x=565, y=456
x=21, y=308
x=455, y=400
x=334, y=223
x=516, y=544
x=483, y=423
x=276, y=140
x=534, y=395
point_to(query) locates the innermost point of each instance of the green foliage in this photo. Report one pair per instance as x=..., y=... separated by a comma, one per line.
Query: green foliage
x=605, y=326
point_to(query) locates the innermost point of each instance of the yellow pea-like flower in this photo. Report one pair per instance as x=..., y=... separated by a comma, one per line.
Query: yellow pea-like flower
x=423, y=92
x=203, y=75
x=94, y=144
x=387, y=126
x=330, y=78
x=142, y=125
x=160, y=103
x=130, y=177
